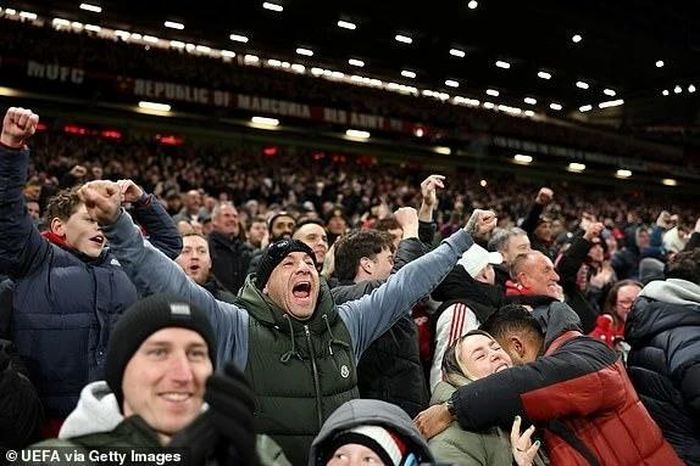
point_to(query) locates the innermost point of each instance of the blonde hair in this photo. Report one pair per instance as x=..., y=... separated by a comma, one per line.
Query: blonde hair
x=452, y=371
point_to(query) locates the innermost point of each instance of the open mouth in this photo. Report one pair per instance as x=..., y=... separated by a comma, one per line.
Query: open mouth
x=501, y=367
x=194, y=267
x=98, y=239
x=302, y=290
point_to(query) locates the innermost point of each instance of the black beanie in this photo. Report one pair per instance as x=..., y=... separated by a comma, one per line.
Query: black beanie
x=140, y=321
x=274, y=254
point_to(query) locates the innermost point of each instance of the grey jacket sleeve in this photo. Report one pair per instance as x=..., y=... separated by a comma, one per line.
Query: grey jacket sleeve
x=370, y=316
x=152, y=272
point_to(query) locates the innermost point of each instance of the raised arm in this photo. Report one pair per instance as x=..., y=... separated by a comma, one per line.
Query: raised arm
x=152, y=272
x=370, y=316
x=544, y=197
x=428, y=190
x=153, y=218
x=22, y=249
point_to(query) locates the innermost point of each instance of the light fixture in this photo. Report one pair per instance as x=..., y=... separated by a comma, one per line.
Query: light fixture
x=442, y=150
x=472, y=4
x=622, y=173
x=251, y=58
x=678, y=89
x=529, y=113
x=585, y=108
x=457, y=53
x=489, y=105
x=451, y=83
x=403, y=39
x=305, y=52
x=483, y=183
x=611, y=103
x=669, y=182
x=357, y=134
x=227, y=53
x=273, y=7
x=691, y=88
x=174, y=25
x=93, y=28
x=659, y=63
x=492, y=92
x=530, y=100
x=582, y=84
x=555, y=106
x=154, y=40
x=609, y=92
x=544, y=75
x=356, y=62
x=502, y=64
x=91, y=7
x=265, y=121
x=347, y=25
x=154, y=106
x=576, y=38
x=408, y=74
x=27, y=15
x=665, y=92
x=238, y=38
x=522, y=159
x=60, y=22
x=576, y=167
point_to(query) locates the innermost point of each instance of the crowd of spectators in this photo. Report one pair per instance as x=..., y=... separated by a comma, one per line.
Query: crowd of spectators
x=288, y=287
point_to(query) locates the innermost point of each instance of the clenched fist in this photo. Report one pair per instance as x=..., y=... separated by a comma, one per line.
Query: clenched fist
x=18, y=126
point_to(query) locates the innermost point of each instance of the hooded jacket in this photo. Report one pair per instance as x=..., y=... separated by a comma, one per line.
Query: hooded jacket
x=245, y=330
x=369, y=412
x=391, y=368
x=230, y=258
x=663, y=331
x=64, y=303
x=578, y=391
x=97, y=422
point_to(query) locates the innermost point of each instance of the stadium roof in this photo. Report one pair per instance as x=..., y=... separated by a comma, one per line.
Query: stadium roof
x=559, y=58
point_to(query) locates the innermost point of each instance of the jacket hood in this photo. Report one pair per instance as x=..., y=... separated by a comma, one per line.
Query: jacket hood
x=444, y=390
x=458, y=284
x=268, y=313
x=373, y=412
x=97, y=411
x=556, y=319
x=661, y=306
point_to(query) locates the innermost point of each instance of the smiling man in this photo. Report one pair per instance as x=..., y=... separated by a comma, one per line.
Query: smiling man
x=69, y=290
x=297, y=347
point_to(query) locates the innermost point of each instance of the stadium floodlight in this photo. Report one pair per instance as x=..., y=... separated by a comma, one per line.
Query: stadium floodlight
x=27, y=15
x=174, y=25
x=691, y=88
x=347, y=25
x=265, y=121
x=669, y=182
x=492, y=92
x=544, y=75
x=678, y=89
x=529, y=113
x=356, y=62
x=555, y=106
x=585, y=108
x=91, y=7
x=611, y=103
x=251, y=58
x=530, y=100
x=472, y=5
x=238, y=38
x=522, y=159
x=442, y=150
x=503, y=64
x=357, y=134
x=665, y=93
x=609, y=92
x=93, y=28
x=451, y=83
x=576, y=167
x=622, y=173
x=273, y=7
x=457, y=53
x=489, y=105
x=154, y=106
x=408, y=74
x=582, y=84
x=304, y=51
x=576, y=38
x=660, y=63
x=403, y=39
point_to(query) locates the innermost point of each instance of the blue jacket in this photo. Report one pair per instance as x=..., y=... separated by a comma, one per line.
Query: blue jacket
x=64, y=303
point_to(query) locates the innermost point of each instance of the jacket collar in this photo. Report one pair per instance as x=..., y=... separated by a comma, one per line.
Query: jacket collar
x=59, y=241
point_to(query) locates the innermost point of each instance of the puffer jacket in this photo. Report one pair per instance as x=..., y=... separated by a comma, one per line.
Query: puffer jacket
x=64, y=302
x=578, y=392
x=663, y=331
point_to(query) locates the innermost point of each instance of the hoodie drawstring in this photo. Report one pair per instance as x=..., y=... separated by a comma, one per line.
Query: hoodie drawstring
x=293, y=351
x=333, y=340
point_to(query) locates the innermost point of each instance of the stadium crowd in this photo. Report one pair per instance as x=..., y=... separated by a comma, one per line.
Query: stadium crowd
x=293, y=308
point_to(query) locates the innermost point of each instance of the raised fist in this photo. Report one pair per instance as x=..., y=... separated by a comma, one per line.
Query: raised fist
x=544, y=196
x=428, y=189
x=130, y=191
x=19, y=124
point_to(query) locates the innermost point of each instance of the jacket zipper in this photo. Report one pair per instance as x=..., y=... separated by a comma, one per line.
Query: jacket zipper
x=317, y=385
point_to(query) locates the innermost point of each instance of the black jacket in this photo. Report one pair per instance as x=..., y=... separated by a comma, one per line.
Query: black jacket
x=229, y=260
x=663, y=330
x=568, y=266
x=390, y=369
